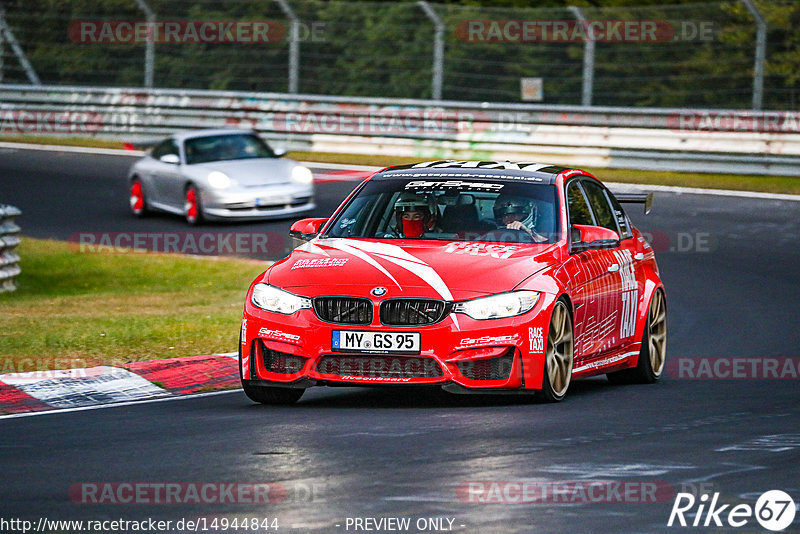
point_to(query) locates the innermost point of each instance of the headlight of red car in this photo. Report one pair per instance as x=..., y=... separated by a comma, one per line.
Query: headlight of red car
x=273, y=299
x=498, y=306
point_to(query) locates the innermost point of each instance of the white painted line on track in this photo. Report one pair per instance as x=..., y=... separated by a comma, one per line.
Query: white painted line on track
x=118, y=404
x=343, y=166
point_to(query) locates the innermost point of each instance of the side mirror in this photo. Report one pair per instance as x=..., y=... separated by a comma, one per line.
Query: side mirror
x=172, y=159
x=307, y=229
x=279, y=151
x=592, y=237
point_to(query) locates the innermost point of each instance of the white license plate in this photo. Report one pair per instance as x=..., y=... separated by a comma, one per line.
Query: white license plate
x=273, y=201
x=360, y=341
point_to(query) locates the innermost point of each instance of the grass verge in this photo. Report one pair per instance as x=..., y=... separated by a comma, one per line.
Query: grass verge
x=77, y=310
x=62, y=141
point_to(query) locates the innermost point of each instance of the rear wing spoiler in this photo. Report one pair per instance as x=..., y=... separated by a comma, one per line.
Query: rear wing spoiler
x=636, y=198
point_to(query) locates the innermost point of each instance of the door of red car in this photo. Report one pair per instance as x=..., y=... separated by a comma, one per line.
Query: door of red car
x=632, y=254
x=622, y=284
x=594, y=284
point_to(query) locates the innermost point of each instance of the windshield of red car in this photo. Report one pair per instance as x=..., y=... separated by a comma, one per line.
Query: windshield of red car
x=482, y=210
x=225, y=147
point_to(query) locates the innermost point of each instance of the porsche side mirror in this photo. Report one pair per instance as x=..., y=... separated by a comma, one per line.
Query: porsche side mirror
x=172, y=159
x=307, y=229
x=593, y=237
x=279, y=151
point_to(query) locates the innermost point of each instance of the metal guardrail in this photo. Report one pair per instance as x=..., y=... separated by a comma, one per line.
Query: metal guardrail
x=9, y=240
x=733, y=141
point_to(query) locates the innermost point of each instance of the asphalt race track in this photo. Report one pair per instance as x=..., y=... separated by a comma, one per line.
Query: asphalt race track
x=615, y=456
x=64, y=194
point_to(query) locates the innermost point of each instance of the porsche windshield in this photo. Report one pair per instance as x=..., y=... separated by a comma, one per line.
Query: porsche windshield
x=225, y=147
x=491, y=210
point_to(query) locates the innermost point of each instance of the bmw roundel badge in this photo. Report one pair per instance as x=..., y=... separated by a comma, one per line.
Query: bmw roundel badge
x=378, y=291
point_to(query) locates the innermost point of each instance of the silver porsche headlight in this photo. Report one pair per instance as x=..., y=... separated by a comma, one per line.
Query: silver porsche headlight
x=498, y=306
x=218, y=180
x=274, y=299
x=302, y=175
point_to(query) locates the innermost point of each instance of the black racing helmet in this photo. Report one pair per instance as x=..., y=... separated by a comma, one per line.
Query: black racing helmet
x=507, y=204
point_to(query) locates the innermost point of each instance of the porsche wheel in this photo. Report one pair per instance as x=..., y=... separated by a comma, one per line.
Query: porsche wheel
x=138, y=203
x=653, y=353
x=192, y=207
x=559, y=355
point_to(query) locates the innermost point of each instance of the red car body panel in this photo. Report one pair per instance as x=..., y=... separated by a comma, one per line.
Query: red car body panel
x=608, y=291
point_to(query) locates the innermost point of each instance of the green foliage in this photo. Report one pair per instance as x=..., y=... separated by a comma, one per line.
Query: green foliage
x=384, y=48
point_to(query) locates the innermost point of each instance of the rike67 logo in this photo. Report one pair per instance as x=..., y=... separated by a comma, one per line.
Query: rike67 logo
x=774, y=510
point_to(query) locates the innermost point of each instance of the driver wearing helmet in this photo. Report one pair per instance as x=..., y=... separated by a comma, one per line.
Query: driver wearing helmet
x=414, y=215
x=517, y=213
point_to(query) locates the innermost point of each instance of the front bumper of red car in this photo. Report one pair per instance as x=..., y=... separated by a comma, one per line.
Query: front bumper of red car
x=459, y=353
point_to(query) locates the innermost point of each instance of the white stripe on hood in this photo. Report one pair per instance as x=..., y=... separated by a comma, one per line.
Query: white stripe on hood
x=396, y=255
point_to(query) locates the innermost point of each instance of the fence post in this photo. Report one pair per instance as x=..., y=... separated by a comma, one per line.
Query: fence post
x=438, y=49
x=294, y=45
x=150, y=45
x=9, y=259
x=761, y=52
x=7, y=35
x=588, y=57
x=2, y=49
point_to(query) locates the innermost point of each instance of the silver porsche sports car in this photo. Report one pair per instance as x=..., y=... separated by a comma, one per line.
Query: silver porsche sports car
x=215, y=174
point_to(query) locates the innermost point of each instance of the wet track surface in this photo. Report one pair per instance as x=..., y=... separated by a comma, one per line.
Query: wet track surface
x=730, y=268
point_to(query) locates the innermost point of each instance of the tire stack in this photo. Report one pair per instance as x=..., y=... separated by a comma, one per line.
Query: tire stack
x=9, y=239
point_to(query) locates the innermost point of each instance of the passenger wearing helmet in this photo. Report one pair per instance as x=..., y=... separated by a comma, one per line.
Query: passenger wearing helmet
x=414, y=215
x=517, y=213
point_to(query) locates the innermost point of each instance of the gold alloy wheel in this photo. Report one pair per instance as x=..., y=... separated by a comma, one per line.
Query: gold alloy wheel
x=560, y=349
x=657, y=333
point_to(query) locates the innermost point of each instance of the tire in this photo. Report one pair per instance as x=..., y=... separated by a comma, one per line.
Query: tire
x=266, y=394
x=270, y=395
x=653, y=353
x=559, y=355
x=137, y=200
x=192, y=207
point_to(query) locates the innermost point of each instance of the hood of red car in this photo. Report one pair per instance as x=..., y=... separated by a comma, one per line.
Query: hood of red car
x=405, y=268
